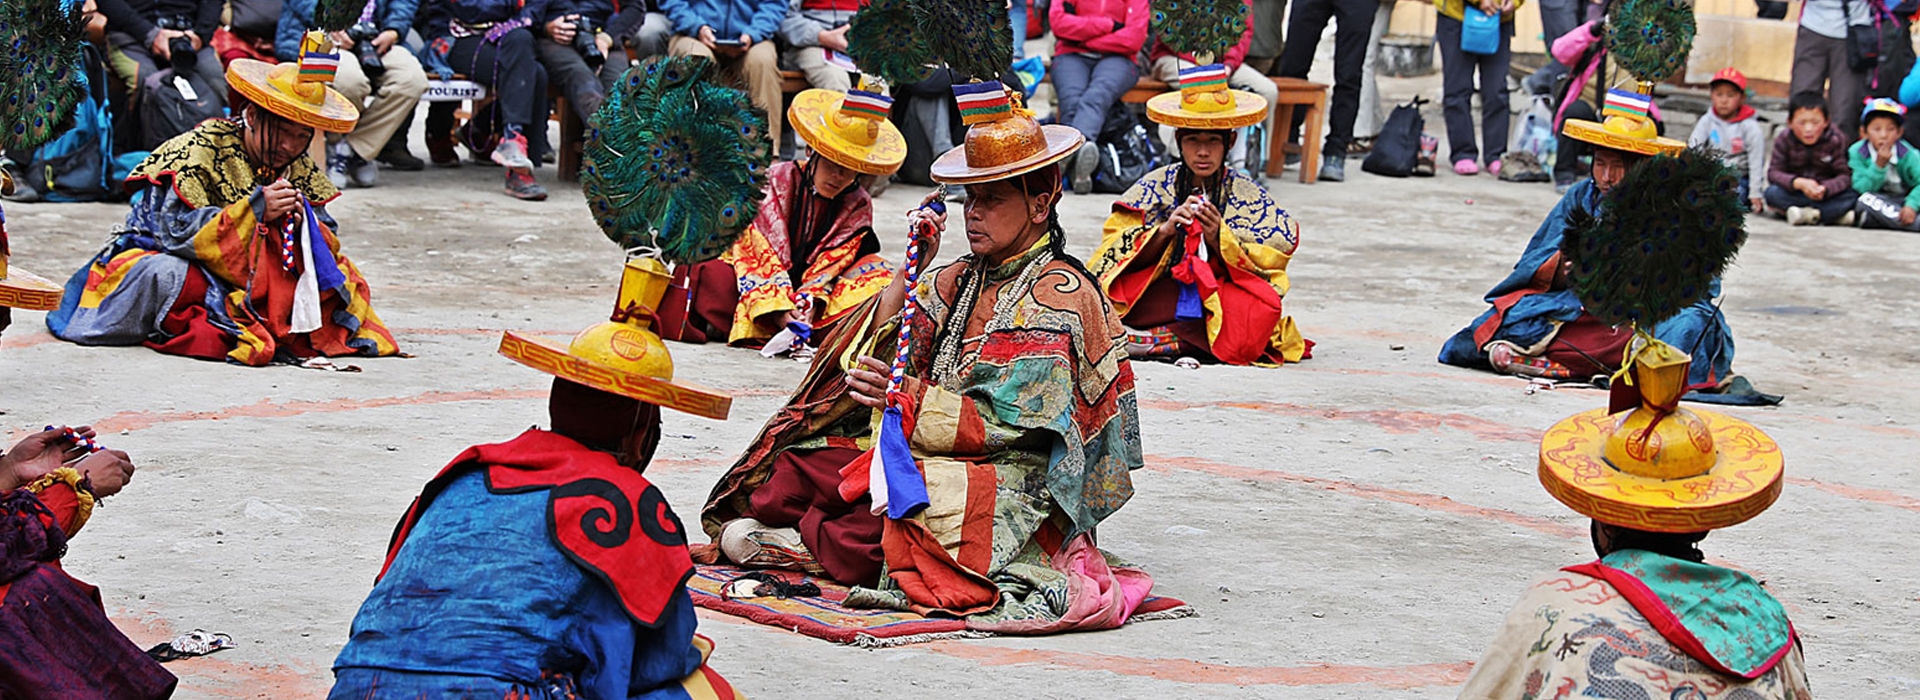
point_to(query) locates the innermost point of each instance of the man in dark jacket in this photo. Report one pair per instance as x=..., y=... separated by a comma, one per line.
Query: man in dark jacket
x=584, y=83
x=738, y=35
x=385, y=100
x=489, y=42
x=141, y=34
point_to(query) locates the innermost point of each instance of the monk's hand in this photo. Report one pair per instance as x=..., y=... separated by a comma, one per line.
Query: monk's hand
x=107, y=471
x=280, y=198
x=38, y=454
x=929, y=245
x=1208, y=216
x=867, y=382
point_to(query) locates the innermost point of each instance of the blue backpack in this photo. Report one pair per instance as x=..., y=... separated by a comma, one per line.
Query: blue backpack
x=78, y=166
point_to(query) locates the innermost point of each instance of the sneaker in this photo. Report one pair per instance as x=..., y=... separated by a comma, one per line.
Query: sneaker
x=440, y=151
x=1845, y=220
x=395, y=156
x=512, y=153
x=1803, y=216
x=1083, y=164
x=749, y=542
x=361, y=172
x=1493, y=168
x=520, y=185
x=337, y=168
x=1334, y=170
x=1466, y=167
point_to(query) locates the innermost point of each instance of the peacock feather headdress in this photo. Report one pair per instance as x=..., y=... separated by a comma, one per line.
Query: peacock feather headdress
x=1206, y=29
x=675, y=162
x=39, y=60
x=1651, y=38
x=884, y=39
x=898, y=39
x=336, y=15
x=1660, y=239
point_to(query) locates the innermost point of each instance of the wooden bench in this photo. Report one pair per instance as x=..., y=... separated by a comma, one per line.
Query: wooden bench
x=1294, y=93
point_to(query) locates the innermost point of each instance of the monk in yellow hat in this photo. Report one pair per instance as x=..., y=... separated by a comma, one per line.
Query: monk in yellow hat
x=1536, y=327
x=228, y=252
x=1195, y=254
x=810, y=255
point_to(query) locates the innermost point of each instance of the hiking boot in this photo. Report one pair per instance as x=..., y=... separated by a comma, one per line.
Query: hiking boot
x=512, y=153
x=520, y=185
x=1334, y=170
x=1083, y=164
x=395, y=156
x=361, y=172
x=440, y=151
x=1803, y=216
x=749, y=542
x=337, y=167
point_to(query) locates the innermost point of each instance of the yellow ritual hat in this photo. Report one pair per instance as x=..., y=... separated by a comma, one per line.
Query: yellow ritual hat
x=298, y=91
x=20, y=289
x=1627, y=125
x=623, y=355
x=1659, y=467
x=1004, y=140
x=1204, y=102
x=850, y=129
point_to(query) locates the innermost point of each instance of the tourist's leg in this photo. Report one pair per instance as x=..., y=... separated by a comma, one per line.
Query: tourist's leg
x=1495, y=98
x=812, y=60
x=1557, y=17
x=1112, y=77
x=400, y=89
x=568, y=70
x=651, y=38
x=1846, y=88
x=1071, y=73
x=610, y=72
x=761, y=69
x=1246, y=78
x=1269, y=24
x=1017, y=16
x=1367, y=123
x=1456, y=90
x=1566, y=164
x=1296, y=58
x=1353, y=21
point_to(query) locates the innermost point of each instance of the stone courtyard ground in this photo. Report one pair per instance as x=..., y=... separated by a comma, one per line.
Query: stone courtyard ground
x=1353, y=526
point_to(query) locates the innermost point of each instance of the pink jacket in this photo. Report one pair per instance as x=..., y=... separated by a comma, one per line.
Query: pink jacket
x=1235, y=56
x=1117, y=27
x=1568, y=50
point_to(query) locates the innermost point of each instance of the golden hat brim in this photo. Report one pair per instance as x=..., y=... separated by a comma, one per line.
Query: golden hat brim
x=1597, y=134
x=1744, y=481
x=28, y=291
x=1170, y=109
x=249, y=78
x=809, y=113
x=951, y=167
x=552, y=358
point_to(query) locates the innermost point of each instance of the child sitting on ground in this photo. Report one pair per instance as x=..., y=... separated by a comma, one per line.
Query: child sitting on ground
x=1810, y=180
x=1731, y=128
x=1885, y=168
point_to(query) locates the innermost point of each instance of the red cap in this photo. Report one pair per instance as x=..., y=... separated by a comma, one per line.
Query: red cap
x=1731, y=75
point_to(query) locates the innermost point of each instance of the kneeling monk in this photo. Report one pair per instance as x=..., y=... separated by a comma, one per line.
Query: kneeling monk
x=1195, y=254
x=548, y=566
x=229, y=251
x=810, y=255
x=1021, y=410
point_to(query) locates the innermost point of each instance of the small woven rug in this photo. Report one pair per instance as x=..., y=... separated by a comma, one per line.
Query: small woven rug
x=824, y=617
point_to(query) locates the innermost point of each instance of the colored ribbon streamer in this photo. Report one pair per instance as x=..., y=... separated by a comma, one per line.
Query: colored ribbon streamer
x=897, y=484
x=1194, y=274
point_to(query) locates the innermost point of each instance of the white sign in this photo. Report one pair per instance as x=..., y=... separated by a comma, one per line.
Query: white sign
x=453, y=91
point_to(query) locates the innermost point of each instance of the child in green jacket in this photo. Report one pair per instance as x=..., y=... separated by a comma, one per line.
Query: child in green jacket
x=1886, y=171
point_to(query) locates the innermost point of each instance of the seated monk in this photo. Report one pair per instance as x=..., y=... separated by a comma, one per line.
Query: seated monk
x=548, y=566
x=228, y=252
x=1019, y=412
x=1195, y=254
x=1538, y=327
x=810, y=255
x=1650, y=618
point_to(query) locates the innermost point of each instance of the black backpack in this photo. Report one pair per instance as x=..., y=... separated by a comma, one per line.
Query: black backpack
x=1397, y=149
x=1128, y=148
x=166, y=112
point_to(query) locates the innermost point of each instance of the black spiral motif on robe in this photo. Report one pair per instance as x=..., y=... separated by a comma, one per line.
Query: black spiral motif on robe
x=594, y=523
x=658, y=520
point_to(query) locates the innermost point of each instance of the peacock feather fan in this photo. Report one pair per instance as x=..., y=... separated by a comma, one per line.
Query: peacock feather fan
x=675, y=163
x=1660, y=239
x=1651, y=38
x=884, y=39
x=1207, y=29
x=39, y=69
x=336, y=15
x=973, y=37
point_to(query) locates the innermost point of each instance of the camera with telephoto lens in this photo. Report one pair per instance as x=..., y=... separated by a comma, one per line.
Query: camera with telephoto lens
x=180, y=54
x=584, y=35
x=362, y=35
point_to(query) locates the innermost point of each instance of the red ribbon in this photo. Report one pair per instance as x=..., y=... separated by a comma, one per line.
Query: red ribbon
x=1192, y=268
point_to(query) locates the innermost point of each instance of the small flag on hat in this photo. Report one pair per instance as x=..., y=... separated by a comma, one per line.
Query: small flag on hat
x=1207, y=78
x=982, y=102
x=866, y=105
x=319, y=59
x=1627, y=103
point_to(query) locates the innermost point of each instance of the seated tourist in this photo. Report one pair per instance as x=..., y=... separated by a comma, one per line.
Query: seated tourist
x=815, y=32
x=142, y=34
x=1538, y=327
x=1650, y=618
x=584, y=75
x=1195, y=254
x=810, y=255
x=1093, y=65
x=1809, y=180
x=500, y=583
x=1886, y=169
x=1016, y=384
x=738, y=36
x=1166, y=64
x=386, y=98
x=491, y=43
x=229, y=252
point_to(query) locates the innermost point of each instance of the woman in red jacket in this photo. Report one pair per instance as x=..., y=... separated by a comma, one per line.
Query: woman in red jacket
x=1093, y=54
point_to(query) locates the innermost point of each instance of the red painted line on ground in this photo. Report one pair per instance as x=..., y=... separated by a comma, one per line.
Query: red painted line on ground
x=1885, y=498
x=266, y=408
x=1390, y=420
x=15, y=340
x=1197, y=672
x=1417, y=499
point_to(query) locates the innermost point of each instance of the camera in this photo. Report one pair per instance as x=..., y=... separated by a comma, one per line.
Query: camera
x=584, y=35
x=179, y=49
x=362, y=34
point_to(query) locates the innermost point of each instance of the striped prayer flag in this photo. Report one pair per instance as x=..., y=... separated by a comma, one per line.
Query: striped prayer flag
x=867, y=105
x=982, y=102
x=1627, y=103
x=1211, y=76
x=318, y=67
